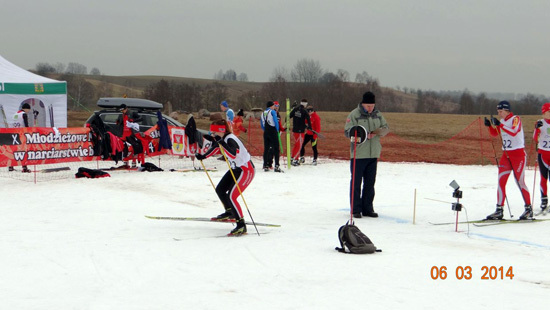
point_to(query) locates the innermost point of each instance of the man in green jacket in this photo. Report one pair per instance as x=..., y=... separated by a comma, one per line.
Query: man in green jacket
x=365, y=118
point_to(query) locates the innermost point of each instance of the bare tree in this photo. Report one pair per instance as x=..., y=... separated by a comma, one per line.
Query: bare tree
x=213, y=95
x=307, y=71
x=279, y=74
x=230, y=75
x=343, y=75
x=59, y=67
x=95, y=71
x=79, y=91
x=218, y=76
x=44, y=68
x=76, y=68
x=466, y=103
x=242, y=77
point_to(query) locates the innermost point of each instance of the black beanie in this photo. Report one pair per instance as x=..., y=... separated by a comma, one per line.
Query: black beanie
x=269, y=104
x=368, y=97
x=25, y=106
x=240, y=113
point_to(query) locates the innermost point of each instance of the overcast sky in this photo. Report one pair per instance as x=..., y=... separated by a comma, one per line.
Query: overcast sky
x=482, y=45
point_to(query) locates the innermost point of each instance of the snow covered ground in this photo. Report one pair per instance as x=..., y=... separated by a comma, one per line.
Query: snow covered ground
x=85, y=243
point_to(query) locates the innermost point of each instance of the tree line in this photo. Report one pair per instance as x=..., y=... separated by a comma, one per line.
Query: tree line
x=325, y=90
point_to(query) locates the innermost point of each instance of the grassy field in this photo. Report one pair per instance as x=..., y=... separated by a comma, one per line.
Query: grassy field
x=434, y=138
x=414, y=127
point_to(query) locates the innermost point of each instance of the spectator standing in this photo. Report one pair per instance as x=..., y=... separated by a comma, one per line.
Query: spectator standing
x=229, y=113
x=238, y=123
x=300, y=122
x=270, y=126
x=311, y=136
x=127, y=124
x=21, y=120
x=366, y=155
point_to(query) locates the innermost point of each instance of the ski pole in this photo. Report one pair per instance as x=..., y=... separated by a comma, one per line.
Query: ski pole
x=321, y=136
x=239, y=188
x=536, y=162
x=208, y=175
x=353, y=178
x=534, y=179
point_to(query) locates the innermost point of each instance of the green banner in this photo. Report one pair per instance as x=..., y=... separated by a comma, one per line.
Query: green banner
x=33, y=88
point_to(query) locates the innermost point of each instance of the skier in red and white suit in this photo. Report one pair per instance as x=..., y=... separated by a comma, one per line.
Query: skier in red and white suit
x=513, y=158
x=541, y=136
x=242, y=169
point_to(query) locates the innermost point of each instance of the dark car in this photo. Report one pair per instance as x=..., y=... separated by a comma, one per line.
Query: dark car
x=144, y=112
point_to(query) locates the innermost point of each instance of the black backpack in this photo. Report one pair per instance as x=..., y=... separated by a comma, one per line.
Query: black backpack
x=355, y=241
x=91, y=173
x=150, y=167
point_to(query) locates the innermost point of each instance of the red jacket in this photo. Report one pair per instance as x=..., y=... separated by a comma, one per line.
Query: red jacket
x=315, y=124
x=238, y=125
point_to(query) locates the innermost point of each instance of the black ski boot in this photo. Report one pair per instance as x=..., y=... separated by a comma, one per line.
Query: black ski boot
x=543, y=205
x=277, y=169
x=497, y=215
x=527, y=214
x=226, y=216
x=239, y=230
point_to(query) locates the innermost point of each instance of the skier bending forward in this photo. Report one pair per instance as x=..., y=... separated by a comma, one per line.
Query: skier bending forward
x=242, y=167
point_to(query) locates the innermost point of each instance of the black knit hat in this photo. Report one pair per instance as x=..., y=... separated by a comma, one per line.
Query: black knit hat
x=368, y=97
x=25, y=106
x=269, y=104
x=503, y=105
x=240, y=113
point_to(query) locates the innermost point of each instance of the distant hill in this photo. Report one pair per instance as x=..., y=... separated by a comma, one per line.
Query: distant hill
x=140, y=82
x=133, y=86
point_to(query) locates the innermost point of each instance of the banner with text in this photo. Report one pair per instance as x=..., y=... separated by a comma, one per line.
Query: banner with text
x=38, y=146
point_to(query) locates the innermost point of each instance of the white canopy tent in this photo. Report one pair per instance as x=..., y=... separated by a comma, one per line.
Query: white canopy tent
x=47, y=97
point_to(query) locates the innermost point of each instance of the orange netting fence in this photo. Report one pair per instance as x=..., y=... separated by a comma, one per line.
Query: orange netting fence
x=471, y=146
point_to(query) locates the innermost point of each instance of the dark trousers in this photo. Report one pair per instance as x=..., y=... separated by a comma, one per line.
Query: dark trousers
x=365, y=174
x=308, y=138
x=271, y=147
x=225, y=188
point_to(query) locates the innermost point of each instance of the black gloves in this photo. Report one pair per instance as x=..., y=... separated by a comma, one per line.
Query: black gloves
x=494, y=121
x=538, y=124
x=199, y=156
x=208, y=137
x=212, y=138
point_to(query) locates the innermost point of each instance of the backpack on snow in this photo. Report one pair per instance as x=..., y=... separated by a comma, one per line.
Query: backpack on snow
x=150, y=167
x=90, y=173
x=355, y=241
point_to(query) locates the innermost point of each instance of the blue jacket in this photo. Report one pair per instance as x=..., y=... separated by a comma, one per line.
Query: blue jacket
x=164, y=140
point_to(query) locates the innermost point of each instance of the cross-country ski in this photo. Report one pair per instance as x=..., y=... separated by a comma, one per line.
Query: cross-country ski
x=501, y=222
x=206, y=219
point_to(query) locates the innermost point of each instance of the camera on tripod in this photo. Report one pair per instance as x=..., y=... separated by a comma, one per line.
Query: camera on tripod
x=456, y=206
